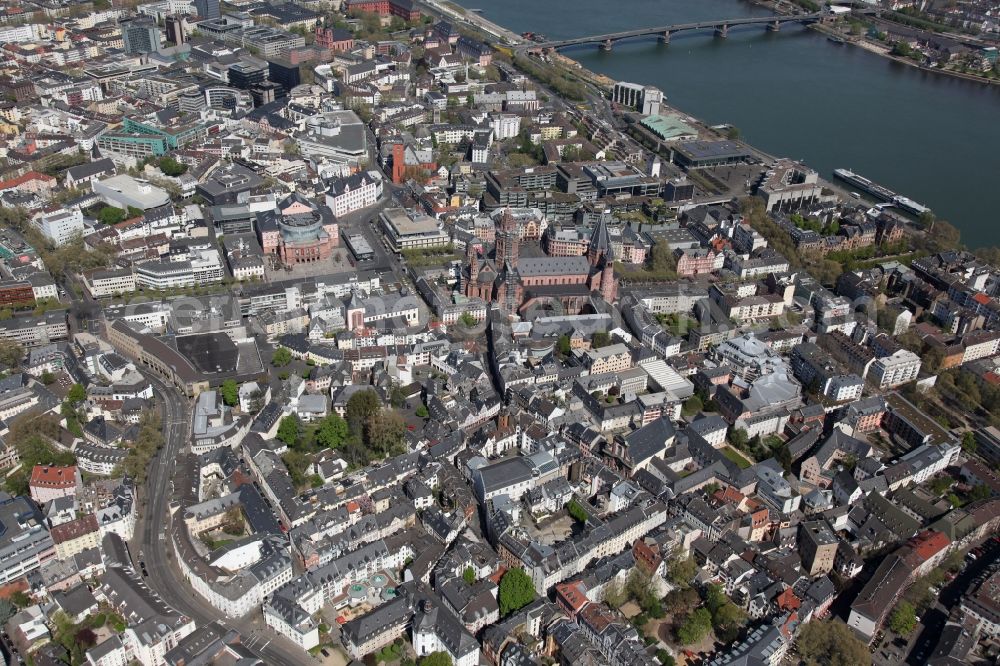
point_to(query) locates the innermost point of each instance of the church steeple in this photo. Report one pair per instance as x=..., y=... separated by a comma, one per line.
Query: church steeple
x=472, y=258
x=600, y=243
x=508, y=240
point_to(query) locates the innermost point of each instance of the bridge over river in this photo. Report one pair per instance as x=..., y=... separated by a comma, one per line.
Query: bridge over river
x=721, y=27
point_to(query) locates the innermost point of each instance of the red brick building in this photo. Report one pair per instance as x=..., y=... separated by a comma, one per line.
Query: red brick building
x=16, y=292
x=405, y=158
x=298, y=231
x=334, y=39
x=404, y=9
x=695, y=262
x=555, y=284
x=571, y=596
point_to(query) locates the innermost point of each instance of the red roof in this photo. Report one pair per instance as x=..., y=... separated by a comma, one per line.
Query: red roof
x=981, y=298
x=929, y=543
x=74, y=529
x=498, y=574
x=20, y=180
x=574, y=594
x=51, y=476
x=787, y=600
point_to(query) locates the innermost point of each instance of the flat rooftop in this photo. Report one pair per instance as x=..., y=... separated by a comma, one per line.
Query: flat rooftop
x=711, y=150
x=669, y=127
x=210, y=353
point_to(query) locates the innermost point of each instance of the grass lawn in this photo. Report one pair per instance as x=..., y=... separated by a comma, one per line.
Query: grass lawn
x=736, y=457
x=215, y=544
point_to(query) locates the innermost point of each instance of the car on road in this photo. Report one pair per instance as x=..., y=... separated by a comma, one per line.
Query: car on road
x=324, y=652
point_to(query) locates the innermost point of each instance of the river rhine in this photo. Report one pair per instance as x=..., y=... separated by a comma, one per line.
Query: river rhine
x=795, y=94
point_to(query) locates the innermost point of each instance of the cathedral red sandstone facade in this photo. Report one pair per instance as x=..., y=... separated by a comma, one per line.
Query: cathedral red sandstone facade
x=554, y=284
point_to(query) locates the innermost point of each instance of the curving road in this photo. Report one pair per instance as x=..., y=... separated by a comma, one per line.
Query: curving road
x=151, y=543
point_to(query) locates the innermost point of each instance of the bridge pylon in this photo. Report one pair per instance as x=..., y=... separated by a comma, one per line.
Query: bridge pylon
x=665, y=37
x=774, y=26
x=722, y=30
x=607, y=45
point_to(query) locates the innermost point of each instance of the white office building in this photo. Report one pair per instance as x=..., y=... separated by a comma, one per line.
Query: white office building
x=354, y=193
x=203, y=267
x=505, y=126
x=901, y=367
x=60, y=226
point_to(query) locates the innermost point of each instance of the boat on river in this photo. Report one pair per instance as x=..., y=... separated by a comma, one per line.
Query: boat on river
x=881, y=192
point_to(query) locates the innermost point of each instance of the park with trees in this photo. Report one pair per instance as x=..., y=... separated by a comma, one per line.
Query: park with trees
x=368, y=431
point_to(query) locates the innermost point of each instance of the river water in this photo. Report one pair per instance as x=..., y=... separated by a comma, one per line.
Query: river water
x=795, y=94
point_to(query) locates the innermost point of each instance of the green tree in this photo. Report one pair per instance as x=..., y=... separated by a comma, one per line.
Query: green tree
x=77, y=394
x=728, y=619
x=397, y=397
x=467, y=320
x=784, y=458
x=361, y=407
x=281, y=357
x=697, y=625
x=516, y=591
x=641, y=589
x=564, y=346
x=903, y=619
x=600, y=339
x=738, y=437
x=233, y=522
x=289, y=430
x=715, y=598
x=665, y=658
x=681, y=570
x=980, y=491
x=615, y=595
x=576, y=511
x=662, y=262
x=831, y=643
x=422, y=412
x=384, y=433
x=20, y=599
x=436, y=659
x=48, y=378
x=147, y=443
x=469, y=575
x=940, y=484
x=11, y=353
x=332, y=431
x=111, y=215
x=692, y=406
x=297, y=463
x=230, y=392
x=969, y=442
x=32, y=436
x=171, y=167
x=682, y=600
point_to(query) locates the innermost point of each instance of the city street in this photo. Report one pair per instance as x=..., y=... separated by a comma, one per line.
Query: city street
x=151, y=543
x=916, y=648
